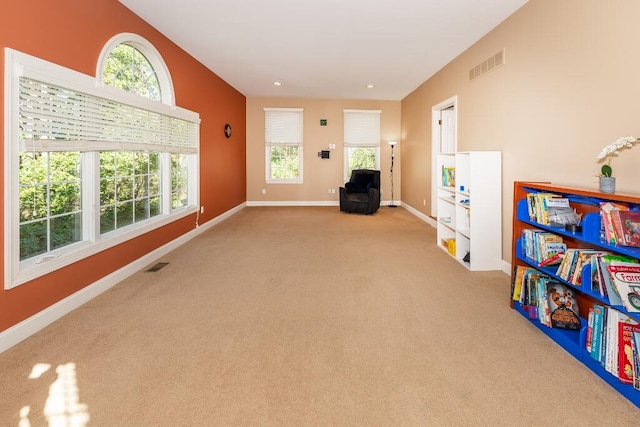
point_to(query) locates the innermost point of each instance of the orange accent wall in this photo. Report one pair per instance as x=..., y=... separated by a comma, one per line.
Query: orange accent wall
x=72, y=33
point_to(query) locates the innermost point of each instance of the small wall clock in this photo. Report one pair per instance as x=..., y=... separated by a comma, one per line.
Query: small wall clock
x=227, y=130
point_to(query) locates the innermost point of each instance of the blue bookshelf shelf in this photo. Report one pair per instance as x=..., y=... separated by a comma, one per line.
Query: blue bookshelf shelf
x=569, y=340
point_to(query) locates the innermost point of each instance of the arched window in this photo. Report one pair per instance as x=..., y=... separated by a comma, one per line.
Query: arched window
x=130, y=62
x=76, y=141
x=128, y=69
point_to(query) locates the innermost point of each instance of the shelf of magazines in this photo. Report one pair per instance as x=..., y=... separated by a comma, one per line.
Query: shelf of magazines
x=584, y=288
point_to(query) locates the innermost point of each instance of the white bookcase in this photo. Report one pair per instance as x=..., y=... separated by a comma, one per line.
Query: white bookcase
x=470, y=211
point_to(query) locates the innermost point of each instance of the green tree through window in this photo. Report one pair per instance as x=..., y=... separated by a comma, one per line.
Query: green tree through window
x=128, y=69
x=50, y=203
x=362, y=158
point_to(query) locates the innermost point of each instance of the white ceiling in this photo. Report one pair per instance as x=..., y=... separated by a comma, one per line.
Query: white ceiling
x=324, y=49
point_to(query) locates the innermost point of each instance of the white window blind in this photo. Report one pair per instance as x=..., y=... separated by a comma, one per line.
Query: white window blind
x=362, y=128
x=283, y=126
x=54, y=118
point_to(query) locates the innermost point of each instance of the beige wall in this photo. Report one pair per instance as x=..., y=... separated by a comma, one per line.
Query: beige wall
x=319, y=174
x=570, y=86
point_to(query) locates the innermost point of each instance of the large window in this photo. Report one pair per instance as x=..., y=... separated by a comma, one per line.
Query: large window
x=283, y=144
x=50, y=208
x=361, y=140
x=92, y=162
x=129, y=188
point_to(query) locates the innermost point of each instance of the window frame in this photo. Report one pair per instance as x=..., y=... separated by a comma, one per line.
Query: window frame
x=373, y=143
x=297, y=143
x=17, y=65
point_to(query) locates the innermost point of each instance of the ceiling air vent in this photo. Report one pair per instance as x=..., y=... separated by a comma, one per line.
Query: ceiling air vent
x=489, y=65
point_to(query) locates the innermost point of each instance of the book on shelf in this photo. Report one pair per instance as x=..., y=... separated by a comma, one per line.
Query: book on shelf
x=518, y=280
x=448, y=176
x=563, y=215
x=537, y=206
x=568, y=260
x=529, y=295
x=626, y=225
x=563, y=306
x=613, y=341
x=543, y=298
x=596, y=335
x=636, y=360
x=603, y=284
x=610, y=342
x=583, y=259
x=596, y=279
x=625, y=277
x=558, y=212
x=570, y=268
x=543, y=247
x=606, y=208
x=626, y=349
x=589, y=329
x=552, y=260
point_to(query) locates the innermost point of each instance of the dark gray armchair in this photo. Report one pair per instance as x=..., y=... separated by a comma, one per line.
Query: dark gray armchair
x=362, y=193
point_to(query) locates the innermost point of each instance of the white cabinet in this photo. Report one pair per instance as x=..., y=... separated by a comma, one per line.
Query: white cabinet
x=469, y=223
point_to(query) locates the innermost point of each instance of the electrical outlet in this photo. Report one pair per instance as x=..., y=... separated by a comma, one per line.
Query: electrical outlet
x=264, y=191
x=329, y=190
x=201, y=209
x=424, y=202
x=333, y=190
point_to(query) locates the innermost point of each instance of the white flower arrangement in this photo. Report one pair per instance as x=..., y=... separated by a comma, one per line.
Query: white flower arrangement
x=612, y=149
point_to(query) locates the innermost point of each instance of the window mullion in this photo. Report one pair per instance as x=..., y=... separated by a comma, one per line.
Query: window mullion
x=165, y=178
x=194, y=185
x=48, y=201
x=90, y=167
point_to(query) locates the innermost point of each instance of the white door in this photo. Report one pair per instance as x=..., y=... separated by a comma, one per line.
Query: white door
x=448, y=131
x=443, y=140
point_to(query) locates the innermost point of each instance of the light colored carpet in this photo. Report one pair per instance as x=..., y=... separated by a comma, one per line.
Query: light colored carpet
x=304, y=317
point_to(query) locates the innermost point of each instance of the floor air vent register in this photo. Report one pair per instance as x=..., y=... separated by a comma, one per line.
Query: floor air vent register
x=157, y=267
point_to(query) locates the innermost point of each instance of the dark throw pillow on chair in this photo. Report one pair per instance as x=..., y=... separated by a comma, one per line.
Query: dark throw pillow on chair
x=363, y=179
x=353, y=187
x=361, y=183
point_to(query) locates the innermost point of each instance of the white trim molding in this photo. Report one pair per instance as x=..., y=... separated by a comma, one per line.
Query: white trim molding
x=254, y=203
x=417, y=213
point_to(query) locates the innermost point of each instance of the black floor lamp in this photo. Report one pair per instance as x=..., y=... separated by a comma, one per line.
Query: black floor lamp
x=392, y=144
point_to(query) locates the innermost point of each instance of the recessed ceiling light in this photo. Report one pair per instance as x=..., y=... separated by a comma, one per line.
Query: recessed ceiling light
x=370, y=86
x=277, y=83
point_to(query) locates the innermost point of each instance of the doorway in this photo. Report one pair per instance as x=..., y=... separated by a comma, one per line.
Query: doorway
x=444, y=140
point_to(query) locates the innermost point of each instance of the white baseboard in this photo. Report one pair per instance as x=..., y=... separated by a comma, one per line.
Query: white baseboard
x=506, y=267
x=417, y=213
x=253, y=203
x=38, y=321
x=293, y=203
